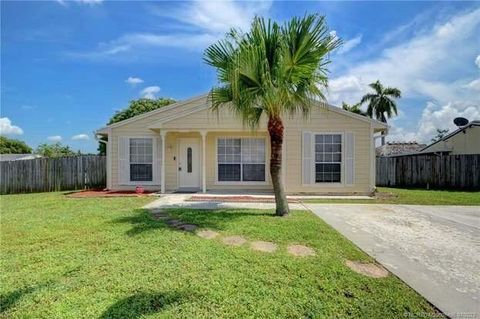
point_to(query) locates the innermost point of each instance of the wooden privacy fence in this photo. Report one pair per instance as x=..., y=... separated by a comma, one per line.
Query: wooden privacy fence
x=52, y=174
x=429, y=171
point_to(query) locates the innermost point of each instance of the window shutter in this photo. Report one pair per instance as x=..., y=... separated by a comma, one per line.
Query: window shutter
x=307, y=158
x=123, y=160
x=349, y=158
x=157, y=159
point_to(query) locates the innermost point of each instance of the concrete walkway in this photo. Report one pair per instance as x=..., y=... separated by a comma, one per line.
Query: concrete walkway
x=434, y=249
x=180, y=201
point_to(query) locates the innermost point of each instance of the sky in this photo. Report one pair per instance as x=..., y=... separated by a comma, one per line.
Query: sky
x=67, y=66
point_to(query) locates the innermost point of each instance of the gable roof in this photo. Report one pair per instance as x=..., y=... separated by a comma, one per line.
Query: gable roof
x=376, y=124
x=446, y=137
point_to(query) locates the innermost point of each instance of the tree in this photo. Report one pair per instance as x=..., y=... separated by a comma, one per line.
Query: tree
x=381, y=103
x=355, y=108
x=54, y=150
x=440, y=134
x=135, y=108
x=272, y=71
x=12, y=146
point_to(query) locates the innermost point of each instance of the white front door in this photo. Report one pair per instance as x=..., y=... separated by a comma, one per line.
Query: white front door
x=189, y=163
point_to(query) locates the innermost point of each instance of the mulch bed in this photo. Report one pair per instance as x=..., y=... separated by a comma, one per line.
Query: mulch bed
x=236, y=199
x=104, y=193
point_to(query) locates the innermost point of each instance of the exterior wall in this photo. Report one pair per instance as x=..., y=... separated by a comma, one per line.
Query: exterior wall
x=325, y=121
x=467, y=142
x=225, y=124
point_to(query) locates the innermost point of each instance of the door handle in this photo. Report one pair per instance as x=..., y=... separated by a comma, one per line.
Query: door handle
x=179, y=169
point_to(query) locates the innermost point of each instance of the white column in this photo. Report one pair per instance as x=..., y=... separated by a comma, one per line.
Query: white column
x=163, y=134
x=204, y=164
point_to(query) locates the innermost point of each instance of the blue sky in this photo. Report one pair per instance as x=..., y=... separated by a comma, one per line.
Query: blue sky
x=66, y=66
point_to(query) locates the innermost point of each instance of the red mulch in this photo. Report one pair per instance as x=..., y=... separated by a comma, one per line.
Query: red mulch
x=104, y=193
x=236, y=199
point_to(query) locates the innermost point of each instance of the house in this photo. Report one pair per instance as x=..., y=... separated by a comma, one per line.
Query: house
x=187, y=147
x=398, y=148
x=17, y=157
x=464, y=140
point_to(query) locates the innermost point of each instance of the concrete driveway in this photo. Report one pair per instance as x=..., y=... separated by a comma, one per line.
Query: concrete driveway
x=434, y=249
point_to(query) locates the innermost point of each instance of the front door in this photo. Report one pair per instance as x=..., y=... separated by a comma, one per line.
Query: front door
x=189, y=163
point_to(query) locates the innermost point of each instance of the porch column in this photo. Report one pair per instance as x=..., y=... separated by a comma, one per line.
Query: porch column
x=163, y=134
x=204, y=164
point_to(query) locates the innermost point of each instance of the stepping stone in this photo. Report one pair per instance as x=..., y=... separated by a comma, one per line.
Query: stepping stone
x=160, y=215
x=187, y=227
x=367, y=269
x=264, y=246
x=234, y=240
x=174, y=222
x=207, y=234
x=300, y=251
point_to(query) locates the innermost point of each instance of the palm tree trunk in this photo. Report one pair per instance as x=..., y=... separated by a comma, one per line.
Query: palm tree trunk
x=275, y=129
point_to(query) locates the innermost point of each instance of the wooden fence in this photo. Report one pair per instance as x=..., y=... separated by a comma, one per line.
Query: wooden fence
x=52, y=174
x=429, y=171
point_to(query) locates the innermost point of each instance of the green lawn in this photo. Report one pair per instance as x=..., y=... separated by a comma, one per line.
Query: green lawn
x=413, y=197
x=106, y=258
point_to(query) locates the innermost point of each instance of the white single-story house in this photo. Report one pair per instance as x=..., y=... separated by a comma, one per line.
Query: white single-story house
x=186, y=146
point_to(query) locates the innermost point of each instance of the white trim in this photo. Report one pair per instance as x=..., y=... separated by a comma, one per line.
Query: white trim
x=154, y=166
x=373, y=160
x=312, y=168
x=204, y=161
x=240, y=183
x=109, y=154
x=163, y=136
x=353, y=158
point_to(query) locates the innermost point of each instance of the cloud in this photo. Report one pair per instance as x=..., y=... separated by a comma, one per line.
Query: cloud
x=54, y=138
x=149, y=92
x=6, y=127
x=415, y=66
x=80, y=137
x=349, y=44
x=477, y=61
x=89, y=2
x=474, y=85
x=205, y=22
x=133, y=81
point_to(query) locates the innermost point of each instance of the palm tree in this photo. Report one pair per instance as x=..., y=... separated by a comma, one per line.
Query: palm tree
x=355, y=108
x=272, y=71
x=381, y=103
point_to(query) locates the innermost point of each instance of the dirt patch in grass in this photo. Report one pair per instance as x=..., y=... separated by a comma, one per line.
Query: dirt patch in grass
x=367, y=269
x=104, y=193
x=207, y=234
x=234, y=240
x=300, y=250
x=264, y=246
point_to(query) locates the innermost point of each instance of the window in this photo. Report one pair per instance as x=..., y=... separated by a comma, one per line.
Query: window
x=241, y=159
x=328, y=158
x=189, y=160
x=141, y=159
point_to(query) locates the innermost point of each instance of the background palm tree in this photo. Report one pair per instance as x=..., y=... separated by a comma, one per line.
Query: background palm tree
x=355, y=108
x=272, y=71
x=381, y=104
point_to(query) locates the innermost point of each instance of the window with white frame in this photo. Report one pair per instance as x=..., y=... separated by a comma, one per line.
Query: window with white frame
x=241, y=159
x=328, y=158
x=141, y=159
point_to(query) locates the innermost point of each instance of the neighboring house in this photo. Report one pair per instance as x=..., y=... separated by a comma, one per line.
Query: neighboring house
x=398, y=148
x=464, y=140
x=17, y=157
x=185, y=146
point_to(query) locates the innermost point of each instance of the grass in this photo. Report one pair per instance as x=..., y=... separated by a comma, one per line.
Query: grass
x=413, y=197
x=106, y=258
